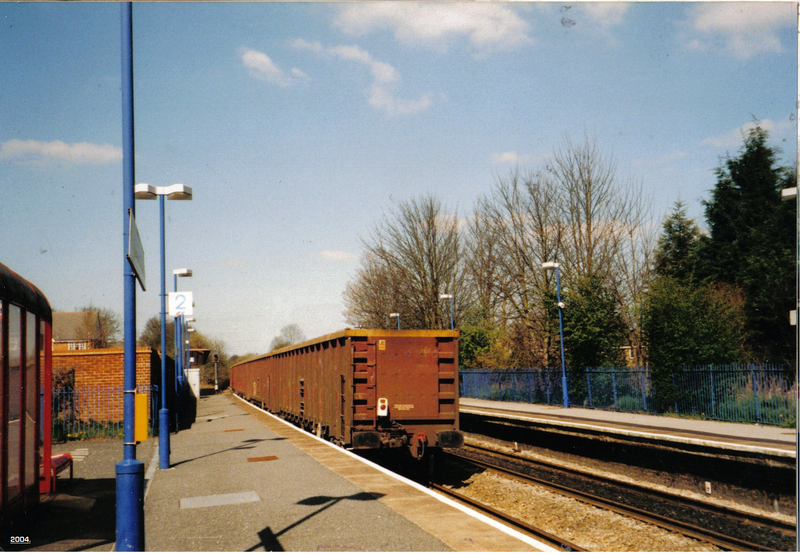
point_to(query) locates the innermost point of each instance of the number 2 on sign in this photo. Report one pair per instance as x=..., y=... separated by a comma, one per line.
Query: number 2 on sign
x=181, y=302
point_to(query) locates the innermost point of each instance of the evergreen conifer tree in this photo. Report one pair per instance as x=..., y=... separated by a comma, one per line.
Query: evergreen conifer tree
x=751, y=243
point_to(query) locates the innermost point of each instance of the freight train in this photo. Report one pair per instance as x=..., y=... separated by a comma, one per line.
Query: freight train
x=363, y=389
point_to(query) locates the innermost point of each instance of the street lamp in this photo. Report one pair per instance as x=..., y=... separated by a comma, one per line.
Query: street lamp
x=183, y=272
x=396, y=315
x=173, y=192
x=445, y=296
x=550, y=266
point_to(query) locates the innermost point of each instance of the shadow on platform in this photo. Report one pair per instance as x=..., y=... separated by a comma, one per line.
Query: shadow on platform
x=80, y=516
x=269, y=539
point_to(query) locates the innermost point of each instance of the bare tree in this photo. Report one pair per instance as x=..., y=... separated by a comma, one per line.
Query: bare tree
x=634, y=271
x=608, y=228
x=289, y=335
x=100, y=325
x=375, y=293
x=412, y=257
x=576, y=212
x=592, y=205
x=520, y=218
x=481, y=265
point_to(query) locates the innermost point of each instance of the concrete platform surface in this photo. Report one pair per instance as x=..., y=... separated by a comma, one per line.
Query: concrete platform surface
x=81, y=514
x=732, y=435
x=242, y=480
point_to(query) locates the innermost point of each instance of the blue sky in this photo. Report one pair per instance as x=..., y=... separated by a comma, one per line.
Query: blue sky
x=298, y=124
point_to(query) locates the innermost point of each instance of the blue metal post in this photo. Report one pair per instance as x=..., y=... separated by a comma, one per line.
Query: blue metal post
x=644, y=390
x=175, y=335
x=129, y=472
x=188, y=360
x=675, y=391
x=452, y=325
x=755, y=393
x=565, y=392
x=713, y=401
x=163, y=414
x=177, y=331
x=182, y=376
x=589, y=387
x=530, y=388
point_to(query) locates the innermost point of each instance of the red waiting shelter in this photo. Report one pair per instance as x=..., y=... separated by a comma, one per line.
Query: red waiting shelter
x=25, y=368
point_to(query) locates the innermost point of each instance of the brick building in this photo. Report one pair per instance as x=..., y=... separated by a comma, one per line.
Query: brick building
x=76, y=331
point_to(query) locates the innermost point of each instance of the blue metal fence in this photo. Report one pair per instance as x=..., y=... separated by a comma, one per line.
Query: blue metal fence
x=736, y=393
x=95, y=411
x=527, y=386
x=621, y=389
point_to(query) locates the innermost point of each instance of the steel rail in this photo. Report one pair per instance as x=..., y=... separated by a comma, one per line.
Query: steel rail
x=720, y=540
x=522, y=526
x=777, y=525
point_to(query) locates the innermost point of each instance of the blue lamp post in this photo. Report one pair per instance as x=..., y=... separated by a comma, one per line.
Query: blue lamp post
x=189, y=329
x=129, y=472
x=179, y=325
x=445, y=296
x=549, y=266
x=396, y=315
x=178, y=333
x=172, y=192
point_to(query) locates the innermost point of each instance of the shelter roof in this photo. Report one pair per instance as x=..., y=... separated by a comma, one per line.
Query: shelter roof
x=22, y=292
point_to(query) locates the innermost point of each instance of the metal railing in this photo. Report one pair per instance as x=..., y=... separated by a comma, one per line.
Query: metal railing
x=526, y=386
x=753, y=393
x=736, y=393
x=620, y=389
x=95, y=411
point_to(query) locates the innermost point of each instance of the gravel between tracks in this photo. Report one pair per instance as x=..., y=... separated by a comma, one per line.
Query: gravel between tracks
x=589, y=527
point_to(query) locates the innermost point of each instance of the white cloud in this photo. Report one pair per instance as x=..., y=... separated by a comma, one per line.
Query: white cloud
x=262, y=67
x=76, y=153
x=735, y=137
x=511, y=157
x=606, y=14
x=384, y=76
x=486, y=25
x=746, y=29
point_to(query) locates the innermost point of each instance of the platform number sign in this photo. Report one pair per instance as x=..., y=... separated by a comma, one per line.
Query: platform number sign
x=181, y=302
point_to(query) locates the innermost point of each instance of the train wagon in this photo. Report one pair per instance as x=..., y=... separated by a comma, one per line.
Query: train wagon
x=363, y=389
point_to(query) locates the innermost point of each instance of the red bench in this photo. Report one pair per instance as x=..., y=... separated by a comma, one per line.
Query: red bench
x=58, y=463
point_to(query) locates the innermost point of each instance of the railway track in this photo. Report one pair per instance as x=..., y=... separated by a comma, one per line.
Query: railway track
x=485, y=458
x=525, y=527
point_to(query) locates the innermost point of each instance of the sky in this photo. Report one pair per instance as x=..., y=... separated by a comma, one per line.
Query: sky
x=299, y=126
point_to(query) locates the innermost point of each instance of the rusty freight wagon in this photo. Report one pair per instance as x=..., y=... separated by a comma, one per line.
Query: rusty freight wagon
x=363, y=389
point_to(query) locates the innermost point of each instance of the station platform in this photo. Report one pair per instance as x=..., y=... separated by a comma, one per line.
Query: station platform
x=745, y=438
x=243, y=480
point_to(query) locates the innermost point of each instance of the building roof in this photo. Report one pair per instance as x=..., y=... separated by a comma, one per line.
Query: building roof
x=76, y=326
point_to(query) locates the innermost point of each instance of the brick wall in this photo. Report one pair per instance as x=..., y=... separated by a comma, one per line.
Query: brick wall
x=103, y=370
